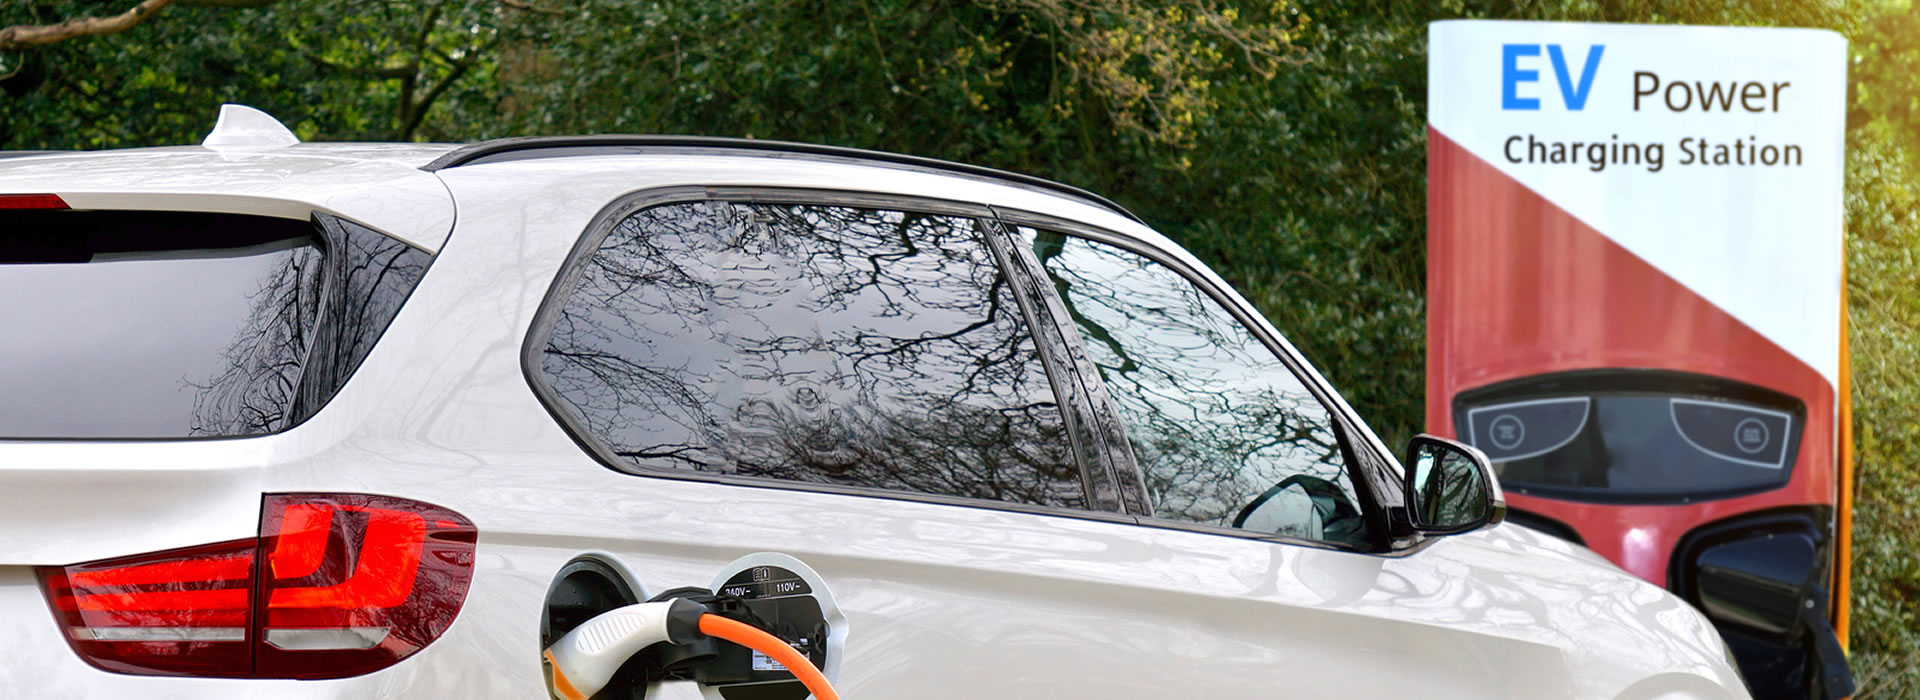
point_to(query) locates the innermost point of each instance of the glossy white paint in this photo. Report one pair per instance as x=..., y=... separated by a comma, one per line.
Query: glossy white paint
x=379, y=185
x=943, y=601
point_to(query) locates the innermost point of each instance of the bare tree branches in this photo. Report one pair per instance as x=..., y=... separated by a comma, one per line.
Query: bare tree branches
x=21, y=36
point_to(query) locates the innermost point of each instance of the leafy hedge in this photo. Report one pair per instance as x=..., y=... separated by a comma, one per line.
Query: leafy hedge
x=1883, y=236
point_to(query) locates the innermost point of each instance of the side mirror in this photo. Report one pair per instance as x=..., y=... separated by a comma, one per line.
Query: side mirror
x=1451, y=487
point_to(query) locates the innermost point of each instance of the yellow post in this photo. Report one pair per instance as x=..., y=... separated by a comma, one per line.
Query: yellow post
x=1843, y=549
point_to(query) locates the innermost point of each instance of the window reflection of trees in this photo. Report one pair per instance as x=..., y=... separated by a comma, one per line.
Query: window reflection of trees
x=314, y=319
x=1214, y=418
x=372, y=278
x=259, y=379
x=820, y=344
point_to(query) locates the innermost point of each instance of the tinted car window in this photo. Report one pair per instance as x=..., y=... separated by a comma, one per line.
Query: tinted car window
x=172, y=325
x=1223, y=432
x=820, y=344
x=371, y=277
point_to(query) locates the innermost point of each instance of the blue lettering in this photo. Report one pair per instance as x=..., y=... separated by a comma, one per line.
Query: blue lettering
x=1576, y=98
x=1511, y=76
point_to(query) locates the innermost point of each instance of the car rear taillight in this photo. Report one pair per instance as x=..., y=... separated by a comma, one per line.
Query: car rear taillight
x=184, y=611
x=335, y=585
x=352, y=584
x=32, y=201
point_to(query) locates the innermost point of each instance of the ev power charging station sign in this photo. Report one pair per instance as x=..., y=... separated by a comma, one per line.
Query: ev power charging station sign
x=1635, y=295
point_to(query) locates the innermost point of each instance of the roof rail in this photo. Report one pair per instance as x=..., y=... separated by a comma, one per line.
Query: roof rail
x=535, y=147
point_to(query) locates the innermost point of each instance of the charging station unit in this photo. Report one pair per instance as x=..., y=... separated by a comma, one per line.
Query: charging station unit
x=1635, y=309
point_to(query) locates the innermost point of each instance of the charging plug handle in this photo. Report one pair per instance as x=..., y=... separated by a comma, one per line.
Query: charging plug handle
x=581, y=663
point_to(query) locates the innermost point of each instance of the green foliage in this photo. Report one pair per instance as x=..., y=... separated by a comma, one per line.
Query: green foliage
x=1883, y=224
x=1282, y=141
x=328, y=69
x=1036, y=85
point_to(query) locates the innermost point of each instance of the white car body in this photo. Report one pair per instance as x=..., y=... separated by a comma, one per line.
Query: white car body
x=942, y=600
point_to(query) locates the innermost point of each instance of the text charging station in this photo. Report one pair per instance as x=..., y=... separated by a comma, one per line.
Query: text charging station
x=1635, y=293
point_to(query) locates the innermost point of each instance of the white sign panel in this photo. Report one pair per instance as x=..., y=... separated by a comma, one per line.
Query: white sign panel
x=1716, y=154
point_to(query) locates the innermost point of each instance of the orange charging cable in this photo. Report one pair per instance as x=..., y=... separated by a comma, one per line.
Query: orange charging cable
x=753, y=638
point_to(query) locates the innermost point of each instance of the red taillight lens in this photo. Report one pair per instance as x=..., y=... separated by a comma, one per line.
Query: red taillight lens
x=356, y=583
x=32, y=201
x=181, y=612
x=336, y=585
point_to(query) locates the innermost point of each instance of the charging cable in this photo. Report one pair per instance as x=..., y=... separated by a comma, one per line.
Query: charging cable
x=583, y=661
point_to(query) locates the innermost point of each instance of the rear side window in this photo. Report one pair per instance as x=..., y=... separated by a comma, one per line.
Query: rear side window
x=829, y=345
x=153, y=325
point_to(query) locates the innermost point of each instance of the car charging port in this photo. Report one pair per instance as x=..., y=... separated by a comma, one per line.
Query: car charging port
x=795, y=619
x=767, y=630
x=583, y=662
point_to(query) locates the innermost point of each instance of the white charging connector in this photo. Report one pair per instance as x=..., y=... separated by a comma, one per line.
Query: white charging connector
x=581, y=663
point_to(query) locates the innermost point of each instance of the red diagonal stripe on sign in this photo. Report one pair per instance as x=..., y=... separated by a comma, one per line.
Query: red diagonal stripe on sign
x=1517, y=286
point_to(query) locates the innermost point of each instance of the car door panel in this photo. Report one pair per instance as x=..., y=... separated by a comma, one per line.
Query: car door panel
x=957, y=602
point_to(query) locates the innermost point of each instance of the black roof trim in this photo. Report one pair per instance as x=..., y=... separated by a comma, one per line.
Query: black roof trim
x=532, y=147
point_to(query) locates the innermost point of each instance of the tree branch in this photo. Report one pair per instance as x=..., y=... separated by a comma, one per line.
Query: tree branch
x=426, y=102
x=386, y=72
x=227, y=3
x=21, y=36
x=409, y=83
x=529, y=7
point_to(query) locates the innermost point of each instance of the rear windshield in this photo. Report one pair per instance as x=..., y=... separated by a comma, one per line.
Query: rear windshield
x=143, y=325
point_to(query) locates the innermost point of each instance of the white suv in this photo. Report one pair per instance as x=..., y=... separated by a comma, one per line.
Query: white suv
x=350, y=420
